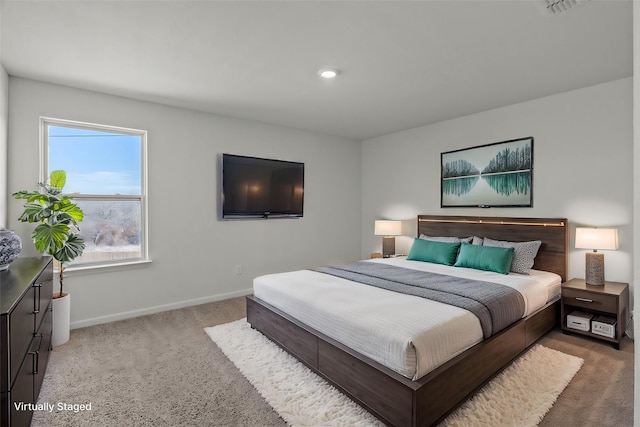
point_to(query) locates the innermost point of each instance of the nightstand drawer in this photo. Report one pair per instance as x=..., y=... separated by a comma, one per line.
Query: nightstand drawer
x=593, y=301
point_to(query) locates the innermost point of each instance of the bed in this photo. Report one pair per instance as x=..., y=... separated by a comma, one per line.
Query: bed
x=416, y=394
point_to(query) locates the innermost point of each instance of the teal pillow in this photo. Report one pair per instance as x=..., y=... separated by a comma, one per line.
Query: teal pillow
x=431, y=251
x=489, y=258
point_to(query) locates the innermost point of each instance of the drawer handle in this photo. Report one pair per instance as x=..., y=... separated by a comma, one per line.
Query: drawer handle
x=35, y=361
x=584, y=299
x=36, y=308
x=36, y=355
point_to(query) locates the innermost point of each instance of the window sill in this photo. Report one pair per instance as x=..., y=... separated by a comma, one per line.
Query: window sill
x=116, y=266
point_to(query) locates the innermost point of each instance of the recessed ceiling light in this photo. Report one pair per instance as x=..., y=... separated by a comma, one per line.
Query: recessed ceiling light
x=328, y=73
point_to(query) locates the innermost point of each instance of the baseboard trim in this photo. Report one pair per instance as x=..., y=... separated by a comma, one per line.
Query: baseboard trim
x=157, y=309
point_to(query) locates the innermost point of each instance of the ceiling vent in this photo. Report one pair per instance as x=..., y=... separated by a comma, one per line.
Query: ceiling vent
x=554, y=7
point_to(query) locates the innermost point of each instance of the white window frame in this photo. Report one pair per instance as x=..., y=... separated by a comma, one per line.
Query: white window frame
x=142, y=198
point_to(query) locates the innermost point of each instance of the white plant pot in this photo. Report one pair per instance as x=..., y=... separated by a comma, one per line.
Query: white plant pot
x=61, y=320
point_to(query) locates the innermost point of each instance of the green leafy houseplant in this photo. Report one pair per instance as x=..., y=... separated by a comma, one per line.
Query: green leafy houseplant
x=58, y=217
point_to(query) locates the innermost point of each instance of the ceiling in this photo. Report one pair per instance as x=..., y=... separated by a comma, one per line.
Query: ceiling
x=402, y=63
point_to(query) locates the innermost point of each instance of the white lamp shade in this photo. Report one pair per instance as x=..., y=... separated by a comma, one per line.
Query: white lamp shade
x=388, y=228
x=597, y=238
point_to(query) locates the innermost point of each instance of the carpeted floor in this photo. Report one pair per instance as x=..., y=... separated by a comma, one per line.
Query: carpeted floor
x=163, y=370
x=601, y=393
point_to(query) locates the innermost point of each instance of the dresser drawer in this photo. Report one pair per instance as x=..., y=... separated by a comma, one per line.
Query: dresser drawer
x=589, y=300
x=22, y=392
x=21, y=327
x=42, y=344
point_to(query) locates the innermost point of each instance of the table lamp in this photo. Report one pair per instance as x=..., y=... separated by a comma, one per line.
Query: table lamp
x=388, y=229
x=596, y=238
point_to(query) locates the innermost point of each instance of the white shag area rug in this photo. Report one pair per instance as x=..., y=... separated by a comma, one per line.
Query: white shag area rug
x=521, y=395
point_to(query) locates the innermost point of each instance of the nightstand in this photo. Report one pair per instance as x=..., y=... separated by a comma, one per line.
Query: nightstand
x=611, y=300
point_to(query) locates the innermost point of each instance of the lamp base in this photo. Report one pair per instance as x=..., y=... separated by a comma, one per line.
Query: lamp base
x=388, y=246
x=594, y=271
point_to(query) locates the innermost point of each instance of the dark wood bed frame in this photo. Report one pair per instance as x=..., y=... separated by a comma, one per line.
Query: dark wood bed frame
x=395, y=399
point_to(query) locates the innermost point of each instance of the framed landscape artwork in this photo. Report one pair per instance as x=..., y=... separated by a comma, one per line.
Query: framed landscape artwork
x=491, y=175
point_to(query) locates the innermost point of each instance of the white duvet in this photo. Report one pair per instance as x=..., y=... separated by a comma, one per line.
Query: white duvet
x=408, y=334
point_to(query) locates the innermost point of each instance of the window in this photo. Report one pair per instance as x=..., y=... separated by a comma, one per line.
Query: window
x=106, y=173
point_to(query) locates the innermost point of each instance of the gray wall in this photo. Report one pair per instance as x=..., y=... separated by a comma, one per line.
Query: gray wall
x=193, y=254
x=583, y=167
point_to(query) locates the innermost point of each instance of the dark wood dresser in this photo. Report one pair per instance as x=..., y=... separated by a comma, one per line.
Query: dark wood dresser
x=26, y=289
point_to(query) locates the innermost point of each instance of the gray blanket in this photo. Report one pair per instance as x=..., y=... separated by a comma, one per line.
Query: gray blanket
x=497, y=306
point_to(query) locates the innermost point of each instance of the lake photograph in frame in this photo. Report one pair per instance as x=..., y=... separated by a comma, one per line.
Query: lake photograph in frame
x=492, y=175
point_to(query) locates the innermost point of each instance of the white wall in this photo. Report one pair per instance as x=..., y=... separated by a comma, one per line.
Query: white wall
x=4, y=117
x=583, y=167
x=194, y=254
x=636, y=189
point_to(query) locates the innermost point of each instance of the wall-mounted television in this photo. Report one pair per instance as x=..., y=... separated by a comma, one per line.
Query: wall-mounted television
x=254, y=187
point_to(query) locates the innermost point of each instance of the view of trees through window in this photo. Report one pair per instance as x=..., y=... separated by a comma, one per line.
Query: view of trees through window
x=105, y=176
x=111, y=230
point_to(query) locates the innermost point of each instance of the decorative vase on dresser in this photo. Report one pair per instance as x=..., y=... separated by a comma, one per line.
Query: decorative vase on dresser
x=26, y=290
x=10, y=247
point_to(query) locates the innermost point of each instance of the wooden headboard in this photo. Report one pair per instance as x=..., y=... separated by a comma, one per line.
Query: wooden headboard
x=553, y=232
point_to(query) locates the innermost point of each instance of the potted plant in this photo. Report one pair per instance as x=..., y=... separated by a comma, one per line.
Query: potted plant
x=56, y=235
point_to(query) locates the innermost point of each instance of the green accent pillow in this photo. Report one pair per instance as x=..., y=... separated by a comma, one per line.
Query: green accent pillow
x=488, y=258
x=431, y=251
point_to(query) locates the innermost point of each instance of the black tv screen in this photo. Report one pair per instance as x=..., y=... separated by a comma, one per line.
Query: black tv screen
x=254, y=187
